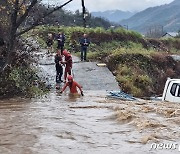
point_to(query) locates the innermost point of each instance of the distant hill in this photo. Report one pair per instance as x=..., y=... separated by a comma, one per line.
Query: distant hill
x=167, y=16
x=113, y=15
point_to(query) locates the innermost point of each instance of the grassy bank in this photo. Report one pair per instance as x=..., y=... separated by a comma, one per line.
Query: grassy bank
x=20, y=81
x=99, y=36
x=139, y=71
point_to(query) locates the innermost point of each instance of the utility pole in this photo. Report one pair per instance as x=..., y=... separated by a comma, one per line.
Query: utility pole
x=83, y=13
x=126, y=26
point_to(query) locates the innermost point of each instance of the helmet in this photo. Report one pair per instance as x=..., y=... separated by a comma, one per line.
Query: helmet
x=65, y=52
x=70, y=77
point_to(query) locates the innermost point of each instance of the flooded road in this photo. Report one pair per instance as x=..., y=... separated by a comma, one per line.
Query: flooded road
x=59, y=123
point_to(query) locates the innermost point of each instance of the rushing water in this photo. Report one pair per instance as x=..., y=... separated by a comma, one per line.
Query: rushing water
x=60, y=123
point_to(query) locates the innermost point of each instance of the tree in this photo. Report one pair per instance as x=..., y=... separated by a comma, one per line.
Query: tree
x=155, y=31
x=13, y=16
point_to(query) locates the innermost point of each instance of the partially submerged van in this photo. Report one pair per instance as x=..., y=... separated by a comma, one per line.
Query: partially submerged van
x=171, y=91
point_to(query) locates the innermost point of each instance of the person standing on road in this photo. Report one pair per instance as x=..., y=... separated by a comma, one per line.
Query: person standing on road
x=84, y=42
x=49, y=42
x=73, y=85
x=61, y=40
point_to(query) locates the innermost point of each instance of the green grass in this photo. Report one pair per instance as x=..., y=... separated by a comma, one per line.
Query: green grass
x=132, y=81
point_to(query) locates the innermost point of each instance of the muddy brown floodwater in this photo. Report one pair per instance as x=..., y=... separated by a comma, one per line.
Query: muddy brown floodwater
x=59, y=123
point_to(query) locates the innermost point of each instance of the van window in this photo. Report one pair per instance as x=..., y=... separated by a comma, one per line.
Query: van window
x=179, y=91
x=173, y=89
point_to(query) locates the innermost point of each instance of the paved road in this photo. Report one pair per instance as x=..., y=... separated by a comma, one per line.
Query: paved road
x=92, y=77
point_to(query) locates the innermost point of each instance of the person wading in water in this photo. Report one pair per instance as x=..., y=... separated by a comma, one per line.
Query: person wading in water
x=73, y=85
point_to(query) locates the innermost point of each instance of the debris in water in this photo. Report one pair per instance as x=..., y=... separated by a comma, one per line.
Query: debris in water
x=101, y=65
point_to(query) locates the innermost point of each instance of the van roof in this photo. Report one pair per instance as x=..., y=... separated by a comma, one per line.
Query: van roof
x=169, y=79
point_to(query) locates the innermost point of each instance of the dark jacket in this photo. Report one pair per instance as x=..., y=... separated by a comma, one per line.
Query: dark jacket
x=61, y=39
x=49, y=42
x=84, y=42
x=58, y=59
x=1, y=41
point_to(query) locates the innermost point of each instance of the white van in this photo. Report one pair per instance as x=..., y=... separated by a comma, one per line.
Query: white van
x=171, y=91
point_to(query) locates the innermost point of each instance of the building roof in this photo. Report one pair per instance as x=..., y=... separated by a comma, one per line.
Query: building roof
x=170, y=34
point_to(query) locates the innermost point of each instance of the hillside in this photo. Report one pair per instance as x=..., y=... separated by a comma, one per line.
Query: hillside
x=167, y=16
x=113, y=15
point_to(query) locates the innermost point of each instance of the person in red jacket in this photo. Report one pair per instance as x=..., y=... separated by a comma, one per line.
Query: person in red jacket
x=68, y=63
x=73, y=85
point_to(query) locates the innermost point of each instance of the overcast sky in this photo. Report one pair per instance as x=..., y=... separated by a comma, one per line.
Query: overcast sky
x=103, y=5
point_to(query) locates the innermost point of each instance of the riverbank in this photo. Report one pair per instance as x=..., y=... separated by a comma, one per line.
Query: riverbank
x=21, y=77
